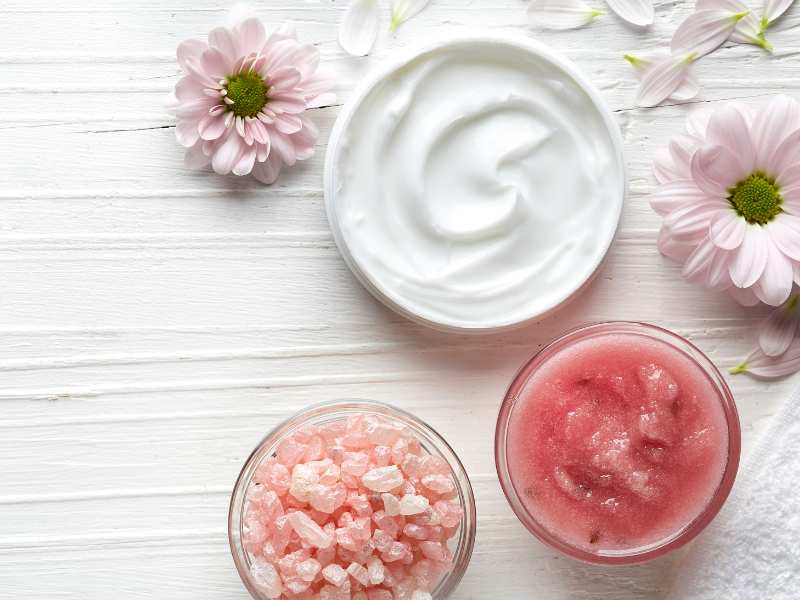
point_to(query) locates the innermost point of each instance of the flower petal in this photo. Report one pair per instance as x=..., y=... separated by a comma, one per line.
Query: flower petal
x=691, y=222
x=717, y=276
x=636, y=12
x=704, y=31
x=245, y=163
x=786, y=155
x=687, y=90
x=760, y=365
x=359, y=27
x=228, y=154
x=785, y=232
x=268, y=171
x=195, y=159
x=772, y=123
x=215, y=64
x=664, y=167
x=252, y=35
x=715, y=169
x=662, y=80
x=745, y=297
x=675, y=194
x=671, y=248
x=748, y=29
x=789, y=182
x=776, y=282
x=696, y=266
x=211, y=127
x=751, y=258
x=778, y=330
x=727, y=230
x=775, y=8
x=728, y=127
x=190, y=49
x=223, y=39
x=186, y=133
x=561, y=14
x=403, y=10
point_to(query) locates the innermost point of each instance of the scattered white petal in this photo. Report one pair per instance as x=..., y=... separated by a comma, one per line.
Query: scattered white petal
x=637, y=12
x=561, y=14
x=749, y=30
x=663, y=79
x=359, y=27
x=704, y=31
x=774, y=9
x=760, y=365
x=403, y=10
x=777, y=332
x=686, y=91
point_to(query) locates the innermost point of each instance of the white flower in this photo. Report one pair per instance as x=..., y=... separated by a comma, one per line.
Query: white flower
x=561, y=14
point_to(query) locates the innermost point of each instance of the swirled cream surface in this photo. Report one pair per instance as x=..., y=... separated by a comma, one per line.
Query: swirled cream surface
x=476, y=186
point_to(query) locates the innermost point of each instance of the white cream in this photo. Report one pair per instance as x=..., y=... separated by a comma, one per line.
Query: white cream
x=477, y=186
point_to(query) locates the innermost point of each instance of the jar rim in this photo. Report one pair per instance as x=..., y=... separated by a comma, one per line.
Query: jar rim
x=431, y=440
x=688, y=531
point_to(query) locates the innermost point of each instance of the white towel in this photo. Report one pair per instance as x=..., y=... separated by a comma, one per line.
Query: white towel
x=752, y=549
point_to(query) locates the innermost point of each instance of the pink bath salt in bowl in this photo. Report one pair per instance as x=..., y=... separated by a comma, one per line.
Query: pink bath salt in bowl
x=618, y=443
x=352, y=500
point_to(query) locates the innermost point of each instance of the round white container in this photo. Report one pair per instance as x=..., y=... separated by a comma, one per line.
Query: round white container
x=468, y=314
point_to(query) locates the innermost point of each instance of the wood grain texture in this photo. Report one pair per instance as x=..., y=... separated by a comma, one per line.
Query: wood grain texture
x=156, y=322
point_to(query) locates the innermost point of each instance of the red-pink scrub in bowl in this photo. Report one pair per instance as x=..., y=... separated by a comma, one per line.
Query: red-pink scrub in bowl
x=617, y=442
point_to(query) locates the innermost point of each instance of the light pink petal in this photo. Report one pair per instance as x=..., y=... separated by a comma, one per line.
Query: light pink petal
x=691, y=223
x=636, y=12
x=776, y=282
x=675, y=194
x=190, y=49
x=228, y=154
x=223, y=39
x=215, y=63
x=775, y=120
x=727, y=127
x=186, y=133
x=727, y=230
x=284, y=148
x=321, y=101
x=267, y=172
x=695, y=269
x=189, y=88
x=745, y=296
x=306, y=60
x=284, y=79
x=786, y=155
x=697, y=122
x=785, y=232
x=245, y=163
x=673, y=249
x=664, y=167
x=358, y=29
x=779, y=329
x=195, y=159
x=751, y=258
x=561, y=14
x=682, y=148
x=211, y=127
x=703, y=31
x=194, y=68
x=194, y=109
x=715, y=169
x=717, y=276
x=687, y=90
x=252, y=36
x=789, y=182
x=775, y=8
x=661, y=81
x=288, y=124
x=760, y=365
x=286, y=102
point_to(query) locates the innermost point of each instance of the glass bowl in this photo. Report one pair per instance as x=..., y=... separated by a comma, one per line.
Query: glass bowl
x=677, y=538
x=461, y=544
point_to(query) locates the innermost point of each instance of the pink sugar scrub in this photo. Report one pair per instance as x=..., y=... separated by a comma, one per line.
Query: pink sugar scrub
x=617, y=443
x=353, y=508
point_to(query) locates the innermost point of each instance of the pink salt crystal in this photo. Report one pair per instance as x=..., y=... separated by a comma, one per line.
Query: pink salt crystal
x=421, y=595
x=361, y=529
x=307, y=570
x=432, y=550
x=359, y=573
x=382, y=479
x=351, y=481
x=355, y=463
x=360, y=596
x=360, y=504
x=417, y=532
x=275, y=476
x=336, y=454
x=269, y=553
x=290, y=452
x=433, y=465
x=424, y=573
x=391, y=505
x=345, y=539
x=303, y=477
x=375, y=570
x=309, y=531
x=414, y=447
x=315, y=449
x=322, y=498
x=254, y=535
x=382, y=540
x=330, y=475
x=330, y=431
x=266, y=578
x=379, y=594
x=282, y=535
x=382, y=434
x=270, y=508
x=390, y=525
x=435, y=533
x=382, y=455
x=399, y=451
x=334, y=574
x=410, y=465
x=294, y=585
x=326, y=556
x=441, y=484
x=450, y=512
x=319, y=517
x=412, y=504
x=397, y=551
x=288, y=564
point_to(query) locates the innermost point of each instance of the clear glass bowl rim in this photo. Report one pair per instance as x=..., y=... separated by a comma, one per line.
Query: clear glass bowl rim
x=691, y=530
x=335, y=409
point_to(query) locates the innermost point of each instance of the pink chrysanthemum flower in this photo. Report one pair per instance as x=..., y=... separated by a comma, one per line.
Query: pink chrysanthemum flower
x=730, y=196
x=242, y=103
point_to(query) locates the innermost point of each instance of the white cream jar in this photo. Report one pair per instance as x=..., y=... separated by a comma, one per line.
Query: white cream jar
x=476, y=184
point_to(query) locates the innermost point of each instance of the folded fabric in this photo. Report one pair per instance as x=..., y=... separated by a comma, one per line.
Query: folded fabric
x=752, y=550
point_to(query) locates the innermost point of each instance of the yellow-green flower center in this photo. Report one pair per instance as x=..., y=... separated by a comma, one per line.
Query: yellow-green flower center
x=756, y=199
x=248, y=93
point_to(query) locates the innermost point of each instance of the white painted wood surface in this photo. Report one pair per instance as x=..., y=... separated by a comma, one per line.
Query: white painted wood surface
x=156, y=323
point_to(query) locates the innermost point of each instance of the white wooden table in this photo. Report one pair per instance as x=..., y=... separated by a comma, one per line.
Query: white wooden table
x=156, y=323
